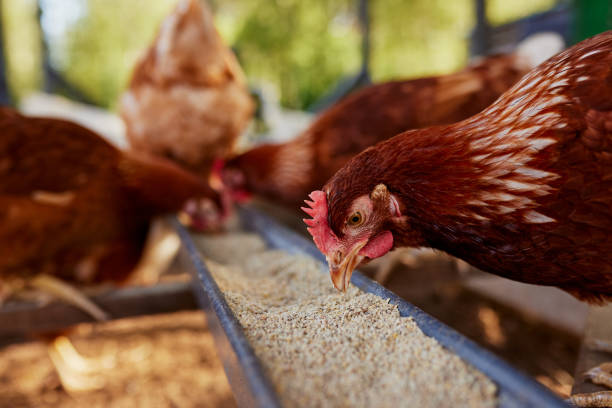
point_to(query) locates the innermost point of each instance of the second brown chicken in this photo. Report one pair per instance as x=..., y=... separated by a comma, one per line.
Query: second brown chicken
x=287, y=172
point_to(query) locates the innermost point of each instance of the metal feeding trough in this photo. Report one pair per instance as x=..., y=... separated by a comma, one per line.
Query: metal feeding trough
x=245, y=374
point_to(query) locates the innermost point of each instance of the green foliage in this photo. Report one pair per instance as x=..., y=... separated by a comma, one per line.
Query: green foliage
x=303, y=47
x=503, y=11
x=425, y=37
x=416, y=38
x=21, y=46
x=102, y=47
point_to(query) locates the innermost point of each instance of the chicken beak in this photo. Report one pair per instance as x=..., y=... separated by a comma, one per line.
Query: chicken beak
x=341, y=272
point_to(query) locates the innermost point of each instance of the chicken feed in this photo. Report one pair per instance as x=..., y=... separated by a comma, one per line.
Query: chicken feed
x=322, y=348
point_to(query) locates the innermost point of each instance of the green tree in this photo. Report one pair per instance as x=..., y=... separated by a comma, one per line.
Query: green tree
x=303, y=47
x=22, y=46
x=99, y=50
x=419, y=37
x=425, y=37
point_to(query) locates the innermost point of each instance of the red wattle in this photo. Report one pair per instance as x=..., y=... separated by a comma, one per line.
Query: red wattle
x=378, y=246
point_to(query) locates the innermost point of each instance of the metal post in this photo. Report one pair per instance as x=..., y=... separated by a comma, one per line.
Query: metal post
x=480, y=35
x=5, y=97
x=53, y=81
x=361, y=78
x=364, y=22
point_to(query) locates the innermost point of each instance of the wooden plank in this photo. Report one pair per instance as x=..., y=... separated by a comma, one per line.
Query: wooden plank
x=598, y=328
x=29, y=317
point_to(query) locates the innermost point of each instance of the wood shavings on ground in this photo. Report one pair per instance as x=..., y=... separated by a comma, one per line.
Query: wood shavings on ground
x=324, y=348
x=155, y=361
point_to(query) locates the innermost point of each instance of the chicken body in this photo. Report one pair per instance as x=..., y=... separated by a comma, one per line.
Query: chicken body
x=288, y=172
x=188, y=98
x=522, y=190
x=74, y=206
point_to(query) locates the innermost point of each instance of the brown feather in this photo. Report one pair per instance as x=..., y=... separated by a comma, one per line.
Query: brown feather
x=288, y=172
x=522, y=189
x=69, y=199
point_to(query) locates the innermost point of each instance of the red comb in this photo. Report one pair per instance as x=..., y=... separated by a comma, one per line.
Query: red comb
x=217, y=166
x=323, y=236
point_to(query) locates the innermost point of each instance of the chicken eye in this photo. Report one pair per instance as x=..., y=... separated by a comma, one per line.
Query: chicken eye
x=355, y=220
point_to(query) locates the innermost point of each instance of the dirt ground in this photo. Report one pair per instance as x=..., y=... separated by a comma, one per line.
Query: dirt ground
x=170, y=360
x=155, y=361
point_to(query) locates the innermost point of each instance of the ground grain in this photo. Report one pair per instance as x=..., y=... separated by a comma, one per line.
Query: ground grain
x=322, y=348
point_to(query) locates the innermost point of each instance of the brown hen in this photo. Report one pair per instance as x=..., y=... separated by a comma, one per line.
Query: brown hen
x=188, y=98
x=75, y=207
x=522, y=190
x=288, y=172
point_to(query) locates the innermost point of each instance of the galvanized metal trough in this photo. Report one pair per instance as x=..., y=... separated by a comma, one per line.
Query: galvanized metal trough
x=253, y=389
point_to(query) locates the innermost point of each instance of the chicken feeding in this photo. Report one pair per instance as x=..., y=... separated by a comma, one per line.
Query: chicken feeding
x=76, y=210
x=522, y=189
x=187, y=99
x=287, y=172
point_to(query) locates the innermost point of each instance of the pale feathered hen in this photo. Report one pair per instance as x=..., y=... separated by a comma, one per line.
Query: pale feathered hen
x=188, y=99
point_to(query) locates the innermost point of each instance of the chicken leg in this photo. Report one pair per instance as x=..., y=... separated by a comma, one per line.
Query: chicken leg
x=76, y=372
x=160, y=250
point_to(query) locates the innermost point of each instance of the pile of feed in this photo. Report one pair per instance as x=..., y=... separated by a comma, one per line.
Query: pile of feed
x=324, y=348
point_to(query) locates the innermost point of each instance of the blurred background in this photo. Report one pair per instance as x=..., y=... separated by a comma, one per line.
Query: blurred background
x=299, y=57
x=298, y=51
